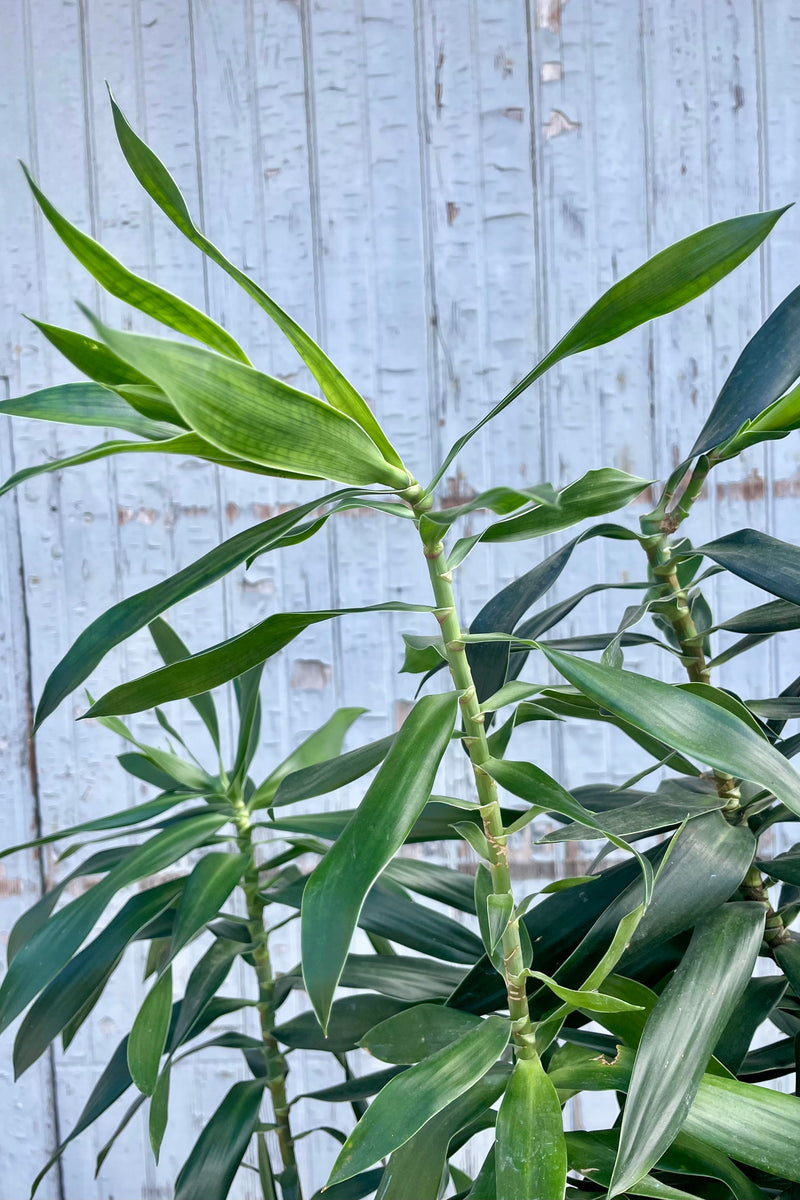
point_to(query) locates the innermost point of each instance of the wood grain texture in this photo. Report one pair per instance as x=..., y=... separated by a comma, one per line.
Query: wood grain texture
x=436, y=189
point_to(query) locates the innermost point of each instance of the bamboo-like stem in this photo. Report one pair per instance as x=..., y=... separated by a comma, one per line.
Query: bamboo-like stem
x=514, y=964
x=276, y=1066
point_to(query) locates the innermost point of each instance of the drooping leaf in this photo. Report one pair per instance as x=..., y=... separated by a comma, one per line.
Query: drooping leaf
x=756, y=1003
x=271, y=424
x=358, y=1088
x=139, y=293
x=223, y=662
x=673, y=1052
x=336, y=890
x=417, y=1032
x=87, y=404
x=210, y=1168
x=648, y=815
x=530, y=1151
x=768, y=365
x=400, y=975
x=411, y=1099
x=128, y=616
x=668, y=280
x=148, y=1037
x=161, y=187
x=44, y=954
x=759, y=558
x=690, y=723
x=206, y=978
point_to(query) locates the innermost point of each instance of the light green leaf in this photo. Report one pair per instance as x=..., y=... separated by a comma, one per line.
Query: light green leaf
x=336, y=890
x=148, y=1037
x=674, y=1051
x=530, y=1151
x=411, y=1099
x=591, y=1001
x=689, y=723
x=86, y=404
x=139, y=293
x=161, y=187
x=271, y=423
x=669, y=279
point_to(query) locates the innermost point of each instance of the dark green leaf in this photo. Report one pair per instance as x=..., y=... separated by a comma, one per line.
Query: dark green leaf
x=323, y=777
x=126, y=617
x=760, y=559
x=768, y=365
x=673, y=1052
x=139, y=293
x=668, y=280
x=207, y=888
x=223, y=662
x=119, y=820
x=690, y=723
x=349, y=1021
x=159, y=1110
x=417, y=1032
x=398, y=975
x=210, y=1168
x=336, y=890
x=431, y=880
x=171, y=649
x=206, y=977
x=358, y=1088
x=648, y=815
x=773, y=617
x=756, y=1003
x=530, y=1151
x=418, y=1094
x=316, y=760
x=161, y=187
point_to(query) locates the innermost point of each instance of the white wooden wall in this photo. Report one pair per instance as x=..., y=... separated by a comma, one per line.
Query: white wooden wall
x=437, y=189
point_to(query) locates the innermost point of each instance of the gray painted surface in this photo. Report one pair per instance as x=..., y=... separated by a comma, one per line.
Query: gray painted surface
x=437, y=189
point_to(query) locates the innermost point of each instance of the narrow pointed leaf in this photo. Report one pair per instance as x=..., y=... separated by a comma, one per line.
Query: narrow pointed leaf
x=668, y=280
x=161, y=187
x=210, y=1168
x=86, y=404
x=271, y=423
x=530, y=1150
x=673, y=1052
x=206, y=978
x=208, y=887
x=91, y=357
x=400, y=975
x=172, y=648
x=350, y=1019
x=760, y=559
x=219, y=664
x=411, y=1099
x=148, y=1037
x=336, y=891
x=136, y=815
x=159, y=1110
x=429, y=879
x=318, y=754
x=686, y=721
x=417, y=1033
x=768, y=365
x=126, y=617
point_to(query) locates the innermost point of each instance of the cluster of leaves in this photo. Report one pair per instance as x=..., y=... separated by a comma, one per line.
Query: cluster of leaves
x=639, y=978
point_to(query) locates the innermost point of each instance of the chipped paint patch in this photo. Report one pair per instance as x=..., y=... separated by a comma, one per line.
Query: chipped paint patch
x=548, y=14
x=559, y=123
x=310, y=674
x=551, y=72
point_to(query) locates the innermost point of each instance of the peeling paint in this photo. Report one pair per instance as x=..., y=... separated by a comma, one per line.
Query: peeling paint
x=548, y=14
x=551, y=72
x=559, y=123
x=310, y=674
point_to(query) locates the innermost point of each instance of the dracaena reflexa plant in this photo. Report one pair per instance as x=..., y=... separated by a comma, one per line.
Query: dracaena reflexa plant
x=495, y=1030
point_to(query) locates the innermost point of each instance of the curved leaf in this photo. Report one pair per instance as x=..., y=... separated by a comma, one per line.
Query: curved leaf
x=85, y=404
x=161, y=187
x=205, y=891
x=688, y=722
x=350, y=1018
x=148, y=1037
x=323, y=747
x=674, y=1051
x=411, y=1099
x=271, y=423
x=760, y=559
x=530, y=1150
x=417, y=1032
x=172, y=648
x=210, y=1168
x=666, y=281
x=336, y=890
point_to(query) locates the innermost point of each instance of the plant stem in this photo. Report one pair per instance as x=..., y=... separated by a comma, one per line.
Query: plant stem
x=276, y=1066
x=477, y=746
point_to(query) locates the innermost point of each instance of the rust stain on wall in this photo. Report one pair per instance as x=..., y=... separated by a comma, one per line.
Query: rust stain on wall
x=548, y=14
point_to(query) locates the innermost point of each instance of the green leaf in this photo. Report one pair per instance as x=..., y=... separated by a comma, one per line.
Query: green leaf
x=207, y=976
x=350, y=1019
x=86, y=404
x=768, y=365
x=687, y=722
x=207, y=888
x=499, y=910
x=756, y=1003
x=223, y=662
x=417, y=1032
x=128, y=616
x=136, y=815
x=592, y=1153
x=673, y=1052
x=172, y=648
x=415, y=1170
x=47, y=951
x=161, y=187
x=317, y=760
x=85, y=976
x=418, y=1094
x=646, y=816
x=590, y=1001
x=593, y=495
x=91, y=357
x=336, y=890
x=357, y=1088
x=785, y=867
x=159, y=1110
x=760, y=559
x=248, y=703
x=431, y=880
x=399, y=975
x=139, y=293
x=668, y=280
x=271, y=423
x=210, y=1168
x=530, y=1151
x=148, y=1037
